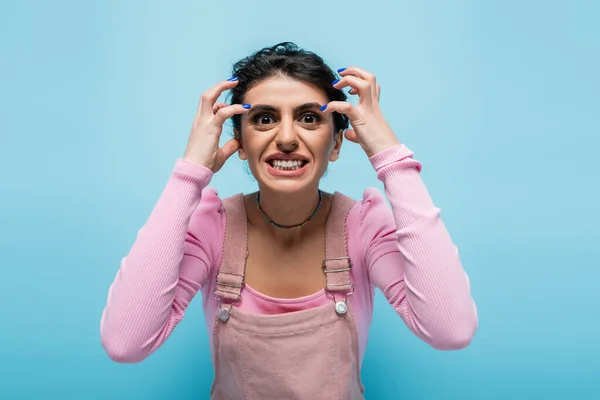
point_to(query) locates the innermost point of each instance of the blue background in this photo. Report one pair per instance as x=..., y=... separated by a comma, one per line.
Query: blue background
x=498, y=99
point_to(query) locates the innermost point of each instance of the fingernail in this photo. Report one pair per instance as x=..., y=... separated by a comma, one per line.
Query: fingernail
x=336, y=81
x=233, y=79
x=323, y=107
x=341, y=70
x=246, y=106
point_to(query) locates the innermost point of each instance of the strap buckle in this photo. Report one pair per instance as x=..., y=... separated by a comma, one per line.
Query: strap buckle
x=340, y=305
x=324, y=265
x=231, y=285
x=225, y=303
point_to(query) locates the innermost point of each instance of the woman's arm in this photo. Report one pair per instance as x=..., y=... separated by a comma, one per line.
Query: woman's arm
x=411, y=257
x=167, y=265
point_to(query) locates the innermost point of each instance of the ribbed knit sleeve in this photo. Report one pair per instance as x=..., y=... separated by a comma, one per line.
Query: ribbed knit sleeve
x=411, y=257
x=168, y=263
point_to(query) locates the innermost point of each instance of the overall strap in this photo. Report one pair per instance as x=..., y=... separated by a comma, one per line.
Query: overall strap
x=230, y=278
x=337, y=264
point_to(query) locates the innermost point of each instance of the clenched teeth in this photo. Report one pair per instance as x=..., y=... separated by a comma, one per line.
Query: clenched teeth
x=288, y=165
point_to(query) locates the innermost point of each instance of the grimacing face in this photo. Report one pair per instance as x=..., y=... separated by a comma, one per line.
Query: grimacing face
x=287, y=141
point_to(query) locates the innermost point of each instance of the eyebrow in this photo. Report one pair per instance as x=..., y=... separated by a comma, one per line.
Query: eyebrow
x=301, y=107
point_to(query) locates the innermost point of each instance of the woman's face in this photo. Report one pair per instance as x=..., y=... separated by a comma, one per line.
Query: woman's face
x=286, y=139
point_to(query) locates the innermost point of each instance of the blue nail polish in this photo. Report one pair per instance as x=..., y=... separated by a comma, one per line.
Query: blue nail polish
x=323, y=107
x=233, y=79
x=246, y=106
x=341, y=70
x=336, y=81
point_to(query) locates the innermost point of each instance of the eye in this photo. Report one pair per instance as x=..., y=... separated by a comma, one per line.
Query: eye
x=263, y=119
x=310, y=118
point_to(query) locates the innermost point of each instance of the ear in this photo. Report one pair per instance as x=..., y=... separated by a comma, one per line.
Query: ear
x=241, y=152
x=337, y=146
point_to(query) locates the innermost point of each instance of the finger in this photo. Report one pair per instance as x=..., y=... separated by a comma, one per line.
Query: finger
x=363, y=74
x=378, y=92
x=351, y=135
x=358, y=72
x=362, y=87
x=218, y=106
x=208, y=98
x=342, y=107
x=225, y=113
x=229, y=148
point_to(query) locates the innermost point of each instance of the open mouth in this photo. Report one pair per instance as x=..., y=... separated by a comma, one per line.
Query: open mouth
x=287, y=165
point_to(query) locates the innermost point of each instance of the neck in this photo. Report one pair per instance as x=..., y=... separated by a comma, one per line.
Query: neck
x=289, y=209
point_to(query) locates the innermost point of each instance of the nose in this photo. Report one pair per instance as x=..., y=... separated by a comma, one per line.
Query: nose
x=287, y=138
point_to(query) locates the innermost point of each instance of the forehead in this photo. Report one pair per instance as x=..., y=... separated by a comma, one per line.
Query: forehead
x=284, y=92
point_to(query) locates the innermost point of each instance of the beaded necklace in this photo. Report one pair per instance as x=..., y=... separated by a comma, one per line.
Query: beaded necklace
x=276, y=225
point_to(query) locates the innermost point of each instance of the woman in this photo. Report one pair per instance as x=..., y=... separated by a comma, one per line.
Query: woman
x=288, y=273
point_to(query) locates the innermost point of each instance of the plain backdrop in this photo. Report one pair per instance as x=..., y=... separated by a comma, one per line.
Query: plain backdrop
x=498, y=99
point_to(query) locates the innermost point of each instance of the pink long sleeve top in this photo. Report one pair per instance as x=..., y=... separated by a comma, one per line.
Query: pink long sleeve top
x=406, y=252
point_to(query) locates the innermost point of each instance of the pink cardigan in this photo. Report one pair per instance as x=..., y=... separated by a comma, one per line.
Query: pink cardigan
x=406, y=252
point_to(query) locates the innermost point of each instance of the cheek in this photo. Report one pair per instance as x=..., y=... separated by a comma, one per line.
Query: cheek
x=254, y=143
x=319, y=143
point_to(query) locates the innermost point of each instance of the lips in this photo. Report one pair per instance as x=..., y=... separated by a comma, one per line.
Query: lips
x=286, y=164
x=287, y=172
x=286, y=157
x=284, y=161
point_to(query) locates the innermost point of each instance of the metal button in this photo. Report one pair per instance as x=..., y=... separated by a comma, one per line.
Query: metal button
x=223, y=314
x=341, y=307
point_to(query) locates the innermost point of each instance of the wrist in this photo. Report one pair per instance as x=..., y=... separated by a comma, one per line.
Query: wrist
x=392, y=155
x=378, y=148
x=191, y=174
x=196, y=157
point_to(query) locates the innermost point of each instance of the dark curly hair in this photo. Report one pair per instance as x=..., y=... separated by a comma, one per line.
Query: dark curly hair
x=286, y=59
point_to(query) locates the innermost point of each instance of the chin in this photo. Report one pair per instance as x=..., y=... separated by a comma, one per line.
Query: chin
x=286, y=187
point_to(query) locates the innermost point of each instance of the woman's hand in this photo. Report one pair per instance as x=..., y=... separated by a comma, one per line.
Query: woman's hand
x=203, y=144
x=370, y=129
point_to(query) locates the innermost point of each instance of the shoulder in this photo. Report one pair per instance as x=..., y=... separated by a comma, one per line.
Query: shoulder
x=372, y=209
x=209, y=208
x=372, y=223
x=210, y=218
x=207, y=223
